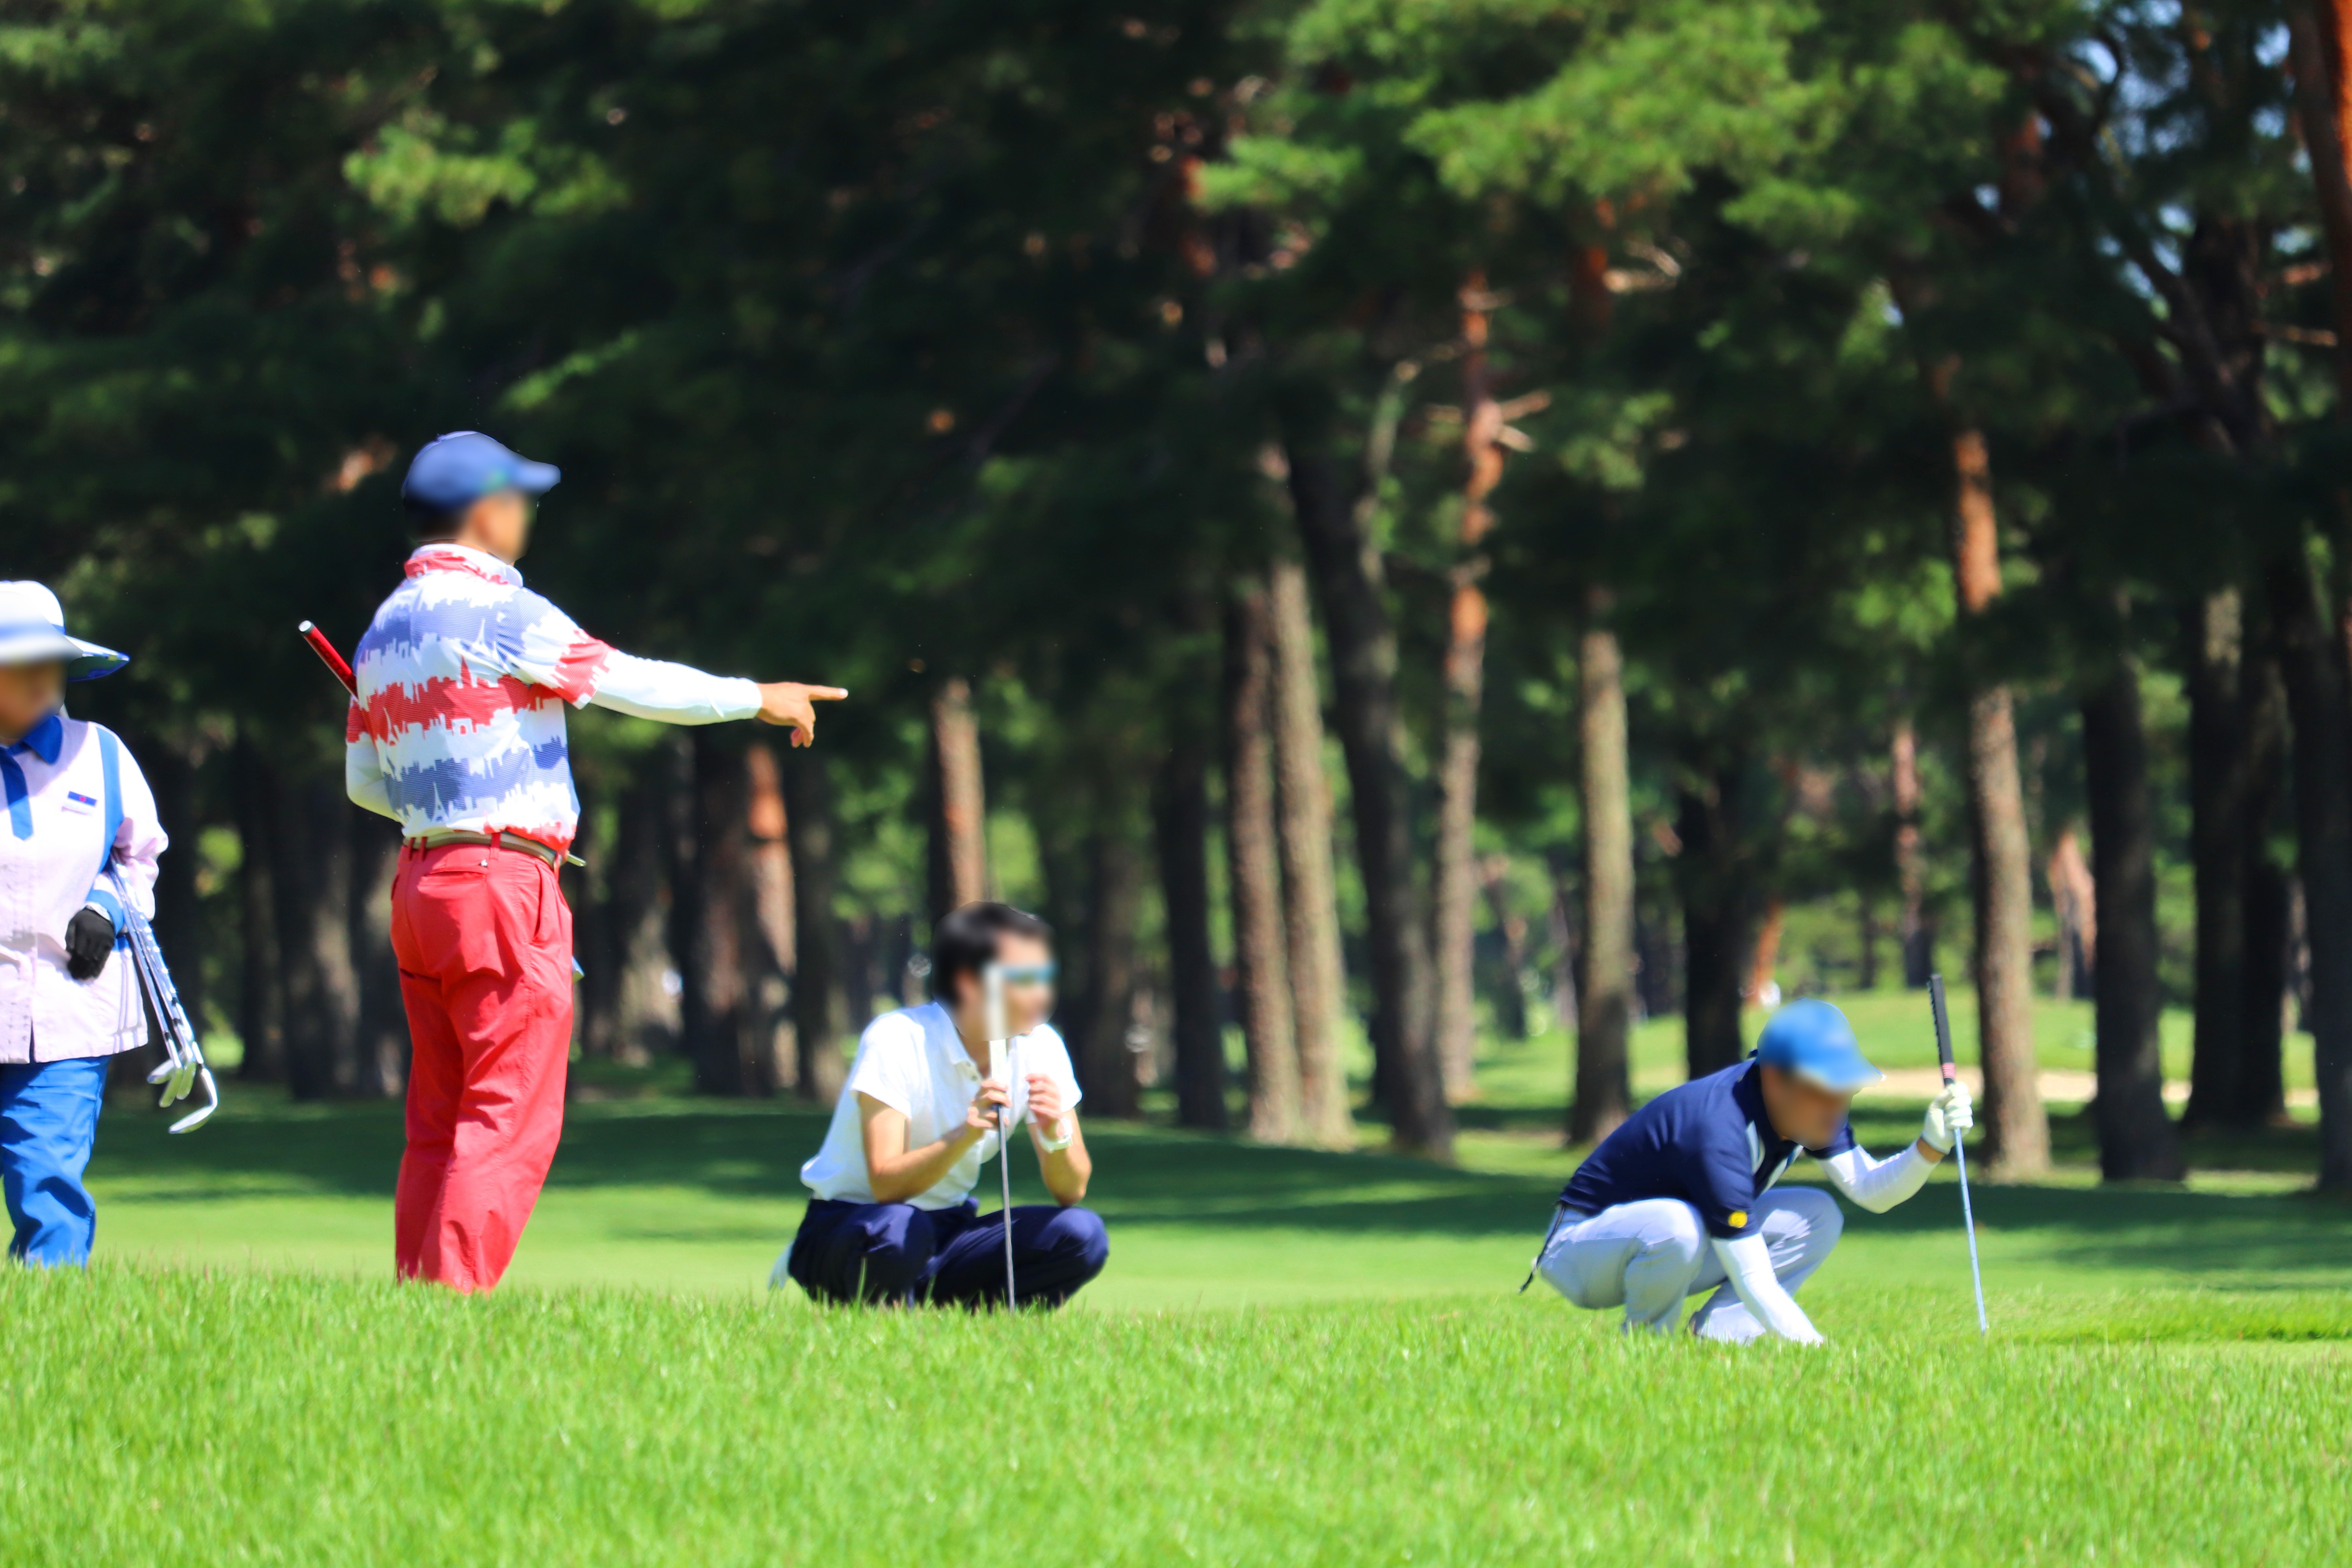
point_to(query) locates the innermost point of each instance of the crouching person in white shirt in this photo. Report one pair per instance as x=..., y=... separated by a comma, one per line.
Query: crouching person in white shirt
x=893, y=1218
x=78, y=839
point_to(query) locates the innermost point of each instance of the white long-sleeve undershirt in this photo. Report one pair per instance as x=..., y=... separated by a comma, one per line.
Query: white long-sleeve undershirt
x=671, y=693
x=1873, y=1184
x=1747, y=1263
x=1878, y=1185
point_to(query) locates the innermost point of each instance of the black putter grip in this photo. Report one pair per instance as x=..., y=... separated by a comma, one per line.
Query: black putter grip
x=1943, y=1026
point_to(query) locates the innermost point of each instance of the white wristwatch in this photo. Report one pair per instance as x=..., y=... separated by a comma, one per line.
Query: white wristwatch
x=1051, y=1145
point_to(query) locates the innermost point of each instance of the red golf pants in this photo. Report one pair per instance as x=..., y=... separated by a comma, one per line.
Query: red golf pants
x=484, y=940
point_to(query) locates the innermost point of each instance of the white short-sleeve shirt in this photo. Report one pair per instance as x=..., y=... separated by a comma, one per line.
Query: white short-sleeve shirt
x=913, y=1061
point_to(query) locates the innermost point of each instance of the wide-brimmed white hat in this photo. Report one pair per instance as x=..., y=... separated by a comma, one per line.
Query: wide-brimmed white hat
x=33, y=631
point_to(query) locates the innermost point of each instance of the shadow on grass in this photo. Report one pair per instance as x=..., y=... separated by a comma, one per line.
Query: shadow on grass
x=1155, y=1176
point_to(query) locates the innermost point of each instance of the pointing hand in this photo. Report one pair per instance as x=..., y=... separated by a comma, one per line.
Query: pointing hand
x=793, y=705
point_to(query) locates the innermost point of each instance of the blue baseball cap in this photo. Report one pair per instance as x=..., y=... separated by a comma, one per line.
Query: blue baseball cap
x=457, y=469
x=1812, y=1039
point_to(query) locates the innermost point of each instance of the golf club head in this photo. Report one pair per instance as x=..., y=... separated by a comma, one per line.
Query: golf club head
x=202, y=1113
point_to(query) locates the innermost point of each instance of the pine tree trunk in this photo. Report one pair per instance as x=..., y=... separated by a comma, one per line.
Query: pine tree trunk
x=595, y=939
x=1107, y=1067
x=1311, y=904
x=636, y=945
x=261, y=994
x=2017, y=1130
x=1912, y=932
x=311, y=874
x=959, y=817
x=1865, y=936
x=1362, y=643
x=1717, y=910
x=1566, y=958
x=2137, y=1140
x=774, y=918
x=1764, y=964
x=715, y=1000
x=1604, y=1016
x=380, y=1056
x=2311, y=663
x=1180, y=832
x=1511, y=927
x=1261, y=963
x=1464, y=678
x=2269, y=889
x=2218, y=786
x=2315, y=678
x=818, y=1023
x=2076, y=904
x=2320, y=40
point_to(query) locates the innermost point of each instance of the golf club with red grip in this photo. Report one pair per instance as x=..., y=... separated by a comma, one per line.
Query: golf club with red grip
x=328, y=657
x=1968, y=1216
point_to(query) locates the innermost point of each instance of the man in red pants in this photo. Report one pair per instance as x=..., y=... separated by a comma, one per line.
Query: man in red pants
x=457, y=732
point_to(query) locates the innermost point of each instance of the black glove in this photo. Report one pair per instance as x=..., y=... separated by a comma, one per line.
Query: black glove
x=89, y=937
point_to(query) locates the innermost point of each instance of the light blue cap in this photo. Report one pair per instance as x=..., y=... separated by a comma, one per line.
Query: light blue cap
x=1811, y=1039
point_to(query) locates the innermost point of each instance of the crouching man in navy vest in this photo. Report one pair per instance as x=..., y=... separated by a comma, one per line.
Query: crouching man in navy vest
x=80, y=836
x=1681, y=1199
x=892, y=1218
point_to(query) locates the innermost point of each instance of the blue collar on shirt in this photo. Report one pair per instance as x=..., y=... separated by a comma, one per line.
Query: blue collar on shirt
x=43, y=740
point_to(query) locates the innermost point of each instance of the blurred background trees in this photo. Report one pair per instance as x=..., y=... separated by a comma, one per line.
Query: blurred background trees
x=1396, y=526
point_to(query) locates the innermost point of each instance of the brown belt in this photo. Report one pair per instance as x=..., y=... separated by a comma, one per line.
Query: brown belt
x=439, y=838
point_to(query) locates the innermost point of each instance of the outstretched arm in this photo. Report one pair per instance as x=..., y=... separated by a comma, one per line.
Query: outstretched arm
x=541, y=645
x=1879, y=1184
x=678, y=694
x=1747, y=1263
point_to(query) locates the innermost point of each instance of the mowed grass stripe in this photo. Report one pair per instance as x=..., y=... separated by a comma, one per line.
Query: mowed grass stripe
x=252, y=1417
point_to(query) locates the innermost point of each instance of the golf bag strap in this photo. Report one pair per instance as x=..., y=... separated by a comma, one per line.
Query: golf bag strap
x=109, y=766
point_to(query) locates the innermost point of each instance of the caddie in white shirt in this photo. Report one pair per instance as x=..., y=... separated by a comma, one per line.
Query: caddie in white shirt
x=891, y=1217
x=79, y=839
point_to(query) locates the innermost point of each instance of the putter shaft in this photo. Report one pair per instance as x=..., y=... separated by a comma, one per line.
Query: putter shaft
x=1959, y=1151
x=1004, y=1173
x=1968, y=1218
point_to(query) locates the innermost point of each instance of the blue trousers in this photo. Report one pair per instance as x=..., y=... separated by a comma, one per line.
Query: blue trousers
x=898, y=1253
x=48, y=1119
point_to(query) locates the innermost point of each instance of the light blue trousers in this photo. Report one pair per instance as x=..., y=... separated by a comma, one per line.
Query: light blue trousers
x=48, y=1119
x=1647, y=1255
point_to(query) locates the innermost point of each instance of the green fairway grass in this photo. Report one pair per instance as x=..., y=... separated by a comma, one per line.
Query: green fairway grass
x=239, y=1416
x=1293, y=1357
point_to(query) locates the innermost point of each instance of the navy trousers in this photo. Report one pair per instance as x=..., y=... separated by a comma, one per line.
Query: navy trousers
x=898, y=1253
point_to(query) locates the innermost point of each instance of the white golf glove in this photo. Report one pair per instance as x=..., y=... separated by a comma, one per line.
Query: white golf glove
x=1950, y=1114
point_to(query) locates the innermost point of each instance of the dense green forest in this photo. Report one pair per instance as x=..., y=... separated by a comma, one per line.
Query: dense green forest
x=1438, y=513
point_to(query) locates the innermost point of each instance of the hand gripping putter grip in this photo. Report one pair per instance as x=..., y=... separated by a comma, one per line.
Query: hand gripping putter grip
x=1000, y=1049
x=1959, y=1151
